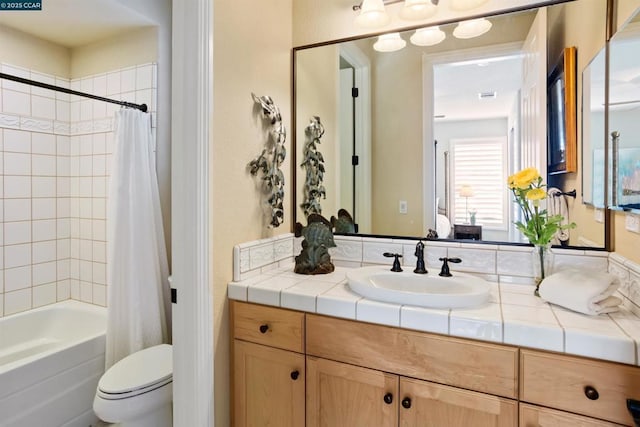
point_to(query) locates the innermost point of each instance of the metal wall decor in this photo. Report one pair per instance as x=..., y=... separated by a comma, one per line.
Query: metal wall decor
x=271, y=158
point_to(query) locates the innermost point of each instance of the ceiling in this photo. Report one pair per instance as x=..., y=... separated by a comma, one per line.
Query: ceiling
x=74, y=23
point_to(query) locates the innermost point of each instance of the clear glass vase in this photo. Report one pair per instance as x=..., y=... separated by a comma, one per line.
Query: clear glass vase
x=542, y=263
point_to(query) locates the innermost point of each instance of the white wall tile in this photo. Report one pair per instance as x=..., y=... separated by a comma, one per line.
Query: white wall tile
x=42, y=107
x=62, y=110
x=44, y=273
x=17, y=210
x=17, y=301
x=16, y=102
x=113, y=83
x=44, y=230
x=99, y=274
x=17, y=278
x=17, y=232
x=127, y=80
x=62, y=270
x=44, y=251
x=144, y=76
x=43, y=165
x=99, y=143
x=44, y=294
x=63, y=145
x=17, y=186
x=100, y=295
x=43, y=186
x=44, y=208
x=86, y=292
x=63, y=248
x=17, y=141
x=17, y=255
x=63, y=290
x=17, y=164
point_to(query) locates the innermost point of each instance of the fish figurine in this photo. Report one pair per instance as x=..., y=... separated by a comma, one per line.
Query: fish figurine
x=318, y=238
x=343, y=223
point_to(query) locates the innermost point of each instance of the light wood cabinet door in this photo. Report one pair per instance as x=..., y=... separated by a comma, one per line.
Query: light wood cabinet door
x=424, y=404
x=535, y=416
x=342, y=395
x=269, y=386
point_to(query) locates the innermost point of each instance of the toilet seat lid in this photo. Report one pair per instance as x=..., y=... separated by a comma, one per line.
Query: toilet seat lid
x=139, y=370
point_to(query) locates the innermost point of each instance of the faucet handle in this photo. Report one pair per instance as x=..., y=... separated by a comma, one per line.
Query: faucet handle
x=396, y=261
x=444, y=271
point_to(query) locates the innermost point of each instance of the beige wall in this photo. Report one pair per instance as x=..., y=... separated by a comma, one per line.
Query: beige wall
x=124, y=50
x=252, y=53
x=565, y=26
x=317, y=84
x=30, y=52
x=396, y=79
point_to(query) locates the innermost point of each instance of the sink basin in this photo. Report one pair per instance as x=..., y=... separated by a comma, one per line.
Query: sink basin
x=425, y=290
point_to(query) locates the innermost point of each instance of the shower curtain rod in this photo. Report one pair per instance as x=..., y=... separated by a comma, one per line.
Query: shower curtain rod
x=141, y=107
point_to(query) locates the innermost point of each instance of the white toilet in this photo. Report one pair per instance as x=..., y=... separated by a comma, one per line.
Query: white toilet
x=137, y=390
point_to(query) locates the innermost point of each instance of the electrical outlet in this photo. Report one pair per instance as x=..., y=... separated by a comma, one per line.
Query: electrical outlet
x=632, y=223
x=598, y=215
x=403, y=206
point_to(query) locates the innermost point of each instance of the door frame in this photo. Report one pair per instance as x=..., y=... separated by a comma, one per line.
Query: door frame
x=191, y=183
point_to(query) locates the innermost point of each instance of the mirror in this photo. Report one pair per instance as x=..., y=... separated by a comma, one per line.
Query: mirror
x=431, y=133
x=623, y=110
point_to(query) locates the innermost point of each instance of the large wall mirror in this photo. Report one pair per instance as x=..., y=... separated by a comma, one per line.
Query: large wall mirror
x=434, y=128
x=624, y=112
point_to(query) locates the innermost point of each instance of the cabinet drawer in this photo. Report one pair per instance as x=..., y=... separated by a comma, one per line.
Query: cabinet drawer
x=473, y=365
x=270, y=326
x=534, y=416
x=568, y=383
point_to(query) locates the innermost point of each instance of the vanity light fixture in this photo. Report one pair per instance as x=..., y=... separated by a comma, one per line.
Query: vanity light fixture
x=373, y=14
x=472, y=28
x=389, y=43
x=427, y=36
x=466, y=4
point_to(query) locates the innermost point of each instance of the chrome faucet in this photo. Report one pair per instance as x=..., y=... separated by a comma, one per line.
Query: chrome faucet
x=420, y=268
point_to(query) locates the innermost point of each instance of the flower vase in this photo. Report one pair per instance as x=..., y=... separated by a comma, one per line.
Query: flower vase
x=542, y=262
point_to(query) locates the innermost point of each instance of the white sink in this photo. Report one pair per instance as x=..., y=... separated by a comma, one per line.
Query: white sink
x=425, y=290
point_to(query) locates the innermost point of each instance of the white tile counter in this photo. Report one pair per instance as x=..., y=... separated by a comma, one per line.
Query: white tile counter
x=512, y=316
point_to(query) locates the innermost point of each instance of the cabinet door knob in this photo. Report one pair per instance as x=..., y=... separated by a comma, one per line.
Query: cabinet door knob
x=264, y=328
x=591, y=393
x=388, y=398
x=295, y=374
x=406, y=403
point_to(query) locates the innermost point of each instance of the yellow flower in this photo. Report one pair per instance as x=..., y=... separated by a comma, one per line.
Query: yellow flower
x=524, y=178
x=536, y=194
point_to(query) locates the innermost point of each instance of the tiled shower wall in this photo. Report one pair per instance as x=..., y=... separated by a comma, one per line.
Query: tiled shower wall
x=55, y=155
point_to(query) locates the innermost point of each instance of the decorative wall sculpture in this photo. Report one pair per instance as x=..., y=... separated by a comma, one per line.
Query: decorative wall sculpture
x=313, y=164
x=271, y=158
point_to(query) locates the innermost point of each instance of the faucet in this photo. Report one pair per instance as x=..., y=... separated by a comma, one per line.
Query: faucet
x=396, y=262
x=420, y=269
x=444, y=272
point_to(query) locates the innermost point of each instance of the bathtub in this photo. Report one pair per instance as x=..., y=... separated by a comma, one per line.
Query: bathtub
x=51, y=359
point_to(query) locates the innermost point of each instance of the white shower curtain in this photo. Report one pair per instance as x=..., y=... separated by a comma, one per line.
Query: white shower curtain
x=139, y=307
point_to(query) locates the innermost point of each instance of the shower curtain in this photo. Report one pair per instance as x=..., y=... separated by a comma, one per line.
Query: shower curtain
x=139, y=307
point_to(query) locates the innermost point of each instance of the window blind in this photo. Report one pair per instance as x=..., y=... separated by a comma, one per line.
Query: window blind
x=480, y=164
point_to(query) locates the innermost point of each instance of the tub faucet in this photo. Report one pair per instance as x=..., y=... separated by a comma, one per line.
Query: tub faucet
x=420, y=269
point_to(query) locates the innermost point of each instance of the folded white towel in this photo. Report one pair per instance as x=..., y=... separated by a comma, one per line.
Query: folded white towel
x=586, y=292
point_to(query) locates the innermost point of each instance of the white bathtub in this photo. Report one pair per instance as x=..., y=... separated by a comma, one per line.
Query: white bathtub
x=51, y=359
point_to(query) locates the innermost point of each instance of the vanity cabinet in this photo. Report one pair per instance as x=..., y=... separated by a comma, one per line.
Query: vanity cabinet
x=339, y=394
x=268, y=366
x=296, y=369
x=588, y=387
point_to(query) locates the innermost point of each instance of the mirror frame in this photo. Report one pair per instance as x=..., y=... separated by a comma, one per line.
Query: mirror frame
x=610, y=29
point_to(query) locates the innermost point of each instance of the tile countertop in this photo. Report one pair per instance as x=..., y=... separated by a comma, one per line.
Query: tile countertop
x=513, y=315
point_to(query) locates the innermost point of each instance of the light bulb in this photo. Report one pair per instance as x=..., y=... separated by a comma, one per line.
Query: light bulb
x=417, y=9
x=427, y=36
x=389, y=43
x=372, y=15
x=472, y=28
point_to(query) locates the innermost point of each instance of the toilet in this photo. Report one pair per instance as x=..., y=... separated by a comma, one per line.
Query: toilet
x=137, y=390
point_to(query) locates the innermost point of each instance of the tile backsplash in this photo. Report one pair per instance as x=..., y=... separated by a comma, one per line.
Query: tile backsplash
x=503, y=263
x=55, y=156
